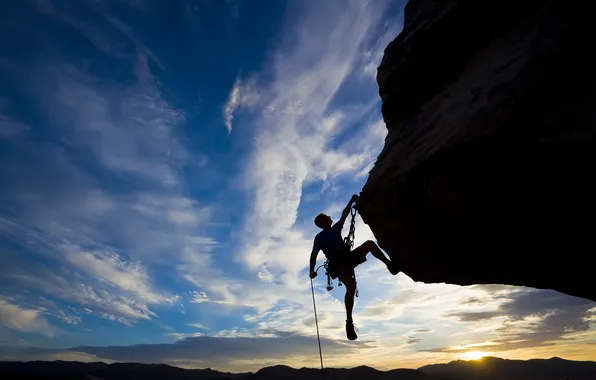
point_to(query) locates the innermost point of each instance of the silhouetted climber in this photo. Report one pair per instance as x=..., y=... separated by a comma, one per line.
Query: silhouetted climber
x=342, y=260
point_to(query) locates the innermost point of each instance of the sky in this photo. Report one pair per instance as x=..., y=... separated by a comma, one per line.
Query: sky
x=161, y=165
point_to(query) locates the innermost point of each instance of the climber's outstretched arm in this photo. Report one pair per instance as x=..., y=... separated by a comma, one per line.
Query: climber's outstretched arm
x=313, y=258
x=346, y=212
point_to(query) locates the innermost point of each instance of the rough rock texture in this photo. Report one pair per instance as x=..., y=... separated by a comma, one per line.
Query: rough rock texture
x=488, y=172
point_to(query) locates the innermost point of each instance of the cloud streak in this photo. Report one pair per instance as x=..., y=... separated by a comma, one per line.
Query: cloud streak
x=110, y=268
x=220, y=349
x=224, y=353
x=132, y=131
x=23, y=319
x=529, y=319
x=11, y=128
x=237, y=353
x=231, y=105
x=297, y=122
x=110, y=201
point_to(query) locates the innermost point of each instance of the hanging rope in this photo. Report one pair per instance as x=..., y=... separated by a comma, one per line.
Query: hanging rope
x=314, y=305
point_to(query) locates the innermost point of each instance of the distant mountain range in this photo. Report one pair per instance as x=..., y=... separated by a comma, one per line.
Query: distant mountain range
x=491, y=368
x=488, y=368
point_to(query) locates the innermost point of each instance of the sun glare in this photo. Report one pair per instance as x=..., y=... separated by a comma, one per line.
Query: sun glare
x=473, y=355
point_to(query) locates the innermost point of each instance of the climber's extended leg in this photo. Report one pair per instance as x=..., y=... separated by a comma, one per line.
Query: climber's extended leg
x=348, y=278
x=370, y=246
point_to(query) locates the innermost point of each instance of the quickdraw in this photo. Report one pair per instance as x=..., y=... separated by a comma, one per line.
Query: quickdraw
x=349, y=239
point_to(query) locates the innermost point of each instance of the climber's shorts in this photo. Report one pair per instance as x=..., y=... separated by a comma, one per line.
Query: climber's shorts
x=346, y=262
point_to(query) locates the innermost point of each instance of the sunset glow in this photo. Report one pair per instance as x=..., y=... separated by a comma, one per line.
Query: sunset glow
x=473, y=355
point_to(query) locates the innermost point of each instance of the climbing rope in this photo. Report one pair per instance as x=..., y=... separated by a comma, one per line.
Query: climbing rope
x=314, y=305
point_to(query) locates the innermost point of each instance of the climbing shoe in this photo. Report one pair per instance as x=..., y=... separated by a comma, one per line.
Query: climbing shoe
x=393, y=269
x=350, y=330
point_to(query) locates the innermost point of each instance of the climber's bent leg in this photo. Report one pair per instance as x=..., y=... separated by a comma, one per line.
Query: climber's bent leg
x=370, y=246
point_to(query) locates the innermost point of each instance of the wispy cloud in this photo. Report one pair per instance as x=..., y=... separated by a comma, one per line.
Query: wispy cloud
x=297, y=121
x=23, y=319
x=527, y=319
x=48, y=354
x=87, y=29
x=197, y=326
x=232, y=105
x=110, y=200
x=128, y=32
x=303, y=136
x=95, y=275
x=71, y=227
x=132, y=131
x=110, y=268
x=223, y=352
x=97, y=35
x=375, y=54
x=67, y=315
x=241, y=95
x=236, y=353
x=88, y=293
x=11, y=128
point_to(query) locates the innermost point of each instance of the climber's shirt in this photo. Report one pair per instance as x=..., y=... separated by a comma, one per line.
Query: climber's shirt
x=330, y=242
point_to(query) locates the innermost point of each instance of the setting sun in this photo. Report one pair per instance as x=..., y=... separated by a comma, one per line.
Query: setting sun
x=473, y=355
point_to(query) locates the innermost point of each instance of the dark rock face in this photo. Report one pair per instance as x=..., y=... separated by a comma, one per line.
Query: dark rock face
x=488, y=172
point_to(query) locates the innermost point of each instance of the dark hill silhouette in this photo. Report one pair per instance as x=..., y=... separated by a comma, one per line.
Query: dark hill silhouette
x=116, y=371
x=356, y=373
x=485, y=369
x=491, y=368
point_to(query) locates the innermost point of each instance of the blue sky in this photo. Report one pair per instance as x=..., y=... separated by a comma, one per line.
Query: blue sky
x=161, y=166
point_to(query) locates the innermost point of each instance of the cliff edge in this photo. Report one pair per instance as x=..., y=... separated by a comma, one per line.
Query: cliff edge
x=488, y=170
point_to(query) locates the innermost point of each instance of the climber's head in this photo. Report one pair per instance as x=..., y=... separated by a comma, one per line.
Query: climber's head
x=323, y=221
